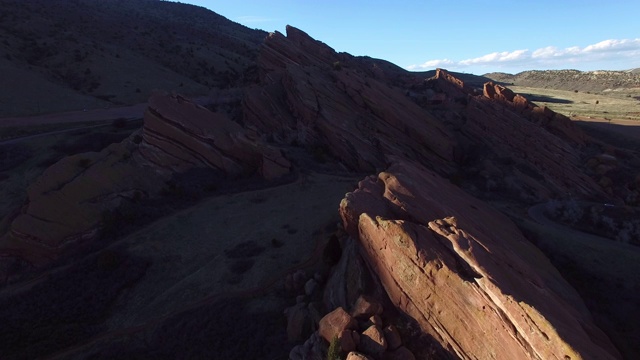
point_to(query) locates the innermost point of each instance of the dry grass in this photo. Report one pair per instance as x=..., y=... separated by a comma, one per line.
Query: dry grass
x=613, y=104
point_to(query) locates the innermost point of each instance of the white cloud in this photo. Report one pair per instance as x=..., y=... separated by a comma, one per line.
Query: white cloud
x=614, y=45
x=432, y=64
x=496, y=57
x=546, y=57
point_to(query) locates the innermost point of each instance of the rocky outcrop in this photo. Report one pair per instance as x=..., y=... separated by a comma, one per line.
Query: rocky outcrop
x=465, y=272
x=363, y=332
x=353, y=111
x=67, y=203
x=179, y=134
x=549, y=119
x=305, y=98
x=511, y=145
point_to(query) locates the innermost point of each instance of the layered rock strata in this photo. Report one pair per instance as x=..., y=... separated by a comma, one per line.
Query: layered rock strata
x=67, y=202
x=465, y=273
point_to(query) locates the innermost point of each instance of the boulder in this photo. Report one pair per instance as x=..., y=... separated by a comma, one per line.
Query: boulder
x=372, y=341
x=402, y=353
x=347, y=342
x=365, y=307
x=335, y=322
x=376, y=320
x=357, y=356
x=299, y=322
x=392, y=336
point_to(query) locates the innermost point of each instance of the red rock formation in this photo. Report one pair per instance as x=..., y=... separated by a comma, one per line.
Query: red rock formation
x=372, y=341
x=66, y=204
x=366, y=307
x=357, y=356
x=465, y=272
x=179, y=135
x=358, y=118
x=304, y=99
x=334, y=323
x=552, y=121
x=67, y=201
x=545, y=147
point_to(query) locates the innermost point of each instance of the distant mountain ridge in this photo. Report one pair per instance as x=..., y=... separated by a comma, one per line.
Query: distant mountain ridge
x=571, y=79
x=69, y=55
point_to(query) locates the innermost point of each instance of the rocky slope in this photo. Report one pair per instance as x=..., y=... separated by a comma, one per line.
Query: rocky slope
x=344, y=106
x=571, y=79
x=457, y=267
x=58, y=56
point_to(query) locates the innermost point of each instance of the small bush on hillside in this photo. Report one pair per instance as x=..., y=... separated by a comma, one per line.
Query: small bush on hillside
x=334, y=349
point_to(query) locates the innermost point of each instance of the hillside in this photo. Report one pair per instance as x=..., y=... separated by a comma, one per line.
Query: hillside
x=69, y=55
x=319, y=203
x=593, y=81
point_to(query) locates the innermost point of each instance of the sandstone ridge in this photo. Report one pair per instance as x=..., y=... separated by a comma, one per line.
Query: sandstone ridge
x=68, y=202
x=464, y=271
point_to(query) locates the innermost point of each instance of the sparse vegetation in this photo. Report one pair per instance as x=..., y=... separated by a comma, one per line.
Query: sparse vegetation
x=334, y=349
x=616, y=223
x=615, y=104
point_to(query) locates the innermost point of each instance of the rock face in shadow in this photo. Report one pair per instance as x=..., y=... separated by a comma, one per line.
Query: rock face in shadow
x=556, y=123
x=311, y=96
x=178, y=135
x=465, y=272
x=66, y=204
x=359, y=111
x=507, y=141
x=67, y=201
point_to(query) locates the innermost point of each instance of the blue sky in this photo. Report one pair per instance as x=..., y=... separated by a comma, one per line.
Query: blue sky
x=468, y=36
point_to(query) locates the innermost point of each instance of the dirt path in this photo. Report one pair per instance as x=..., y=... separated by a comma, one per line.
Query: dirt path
x=134, y=111
x=91, y=115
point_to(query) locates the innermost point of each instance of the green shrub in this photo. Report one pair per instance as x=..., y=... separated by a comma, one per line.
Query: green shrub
x=334, y=349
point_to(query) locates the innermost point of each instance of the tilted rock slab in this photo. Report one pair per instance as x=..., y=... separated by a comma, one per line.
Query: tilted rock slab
x=179, y=134
x=304, y=99
x=66, y=203
x=465, y=272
